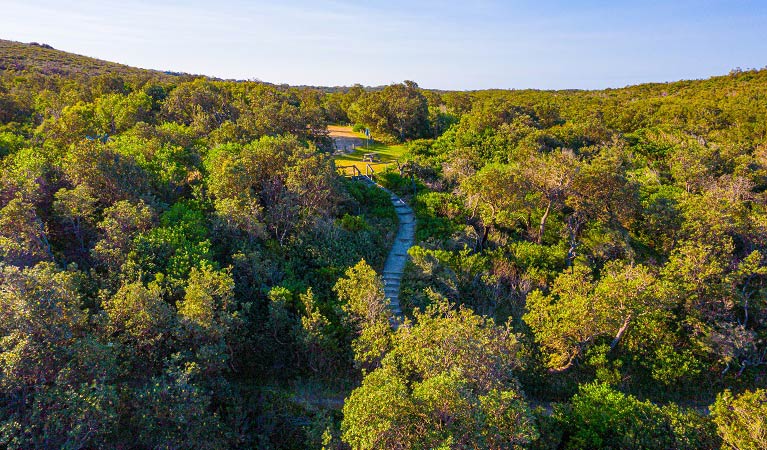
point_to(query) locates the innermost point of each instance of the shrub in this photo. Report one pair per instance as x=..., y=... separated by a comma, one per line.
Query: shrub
x=741, y=420
x=601, y=417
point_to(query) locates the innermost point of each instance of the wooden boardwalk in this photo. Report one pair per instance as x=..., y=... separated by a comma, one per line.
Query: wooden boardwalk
x=394, y=266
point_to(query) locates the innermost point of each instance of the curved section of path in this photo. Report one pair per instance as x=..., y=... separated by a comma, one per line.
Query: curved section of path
x=395, y=262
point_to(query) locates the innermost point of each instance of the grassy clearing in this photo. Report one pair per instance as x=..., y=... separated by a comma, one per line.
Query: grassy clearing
x=387, y=154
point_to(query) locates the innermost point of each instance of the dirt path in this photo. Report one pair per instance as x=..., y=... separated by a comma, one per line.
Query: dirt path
x=344, y=138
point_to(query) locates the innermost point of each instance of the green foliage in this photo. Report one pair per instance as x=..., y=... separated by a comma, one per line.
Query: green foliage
x=393, y=181
x=42, y=320
x=72, y=417
x=49, y=364
x=670, y=365
x=367, y=313
x=438, y=215
x=77, y=209
x=174, y=248
x=139, y=318
x=398, y=111
x=114, y=176
x=446, y=383
x=353, y=223
x=600, y=417
x=171, y=167
x=315, y=336
x=579, y=311
x=741, y=420
x=23, y=240
x=376, y=201
x=10, y=143
x=120, y=224
x=458, y=275
x=291, y=184
x=207, y=302
x=174, y=411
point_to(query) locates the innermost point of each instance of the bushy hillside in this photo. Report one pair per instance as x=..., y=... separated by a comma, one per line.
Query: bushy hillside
x=182, y=267
x=44, y=59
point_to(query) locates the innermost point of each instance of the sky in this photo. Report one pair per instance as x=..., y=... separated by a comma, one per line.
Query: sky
x=439, y=44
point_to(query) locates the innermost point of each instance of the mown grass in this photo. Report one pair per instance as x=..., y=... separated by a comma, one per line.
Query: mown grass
x=387, y=154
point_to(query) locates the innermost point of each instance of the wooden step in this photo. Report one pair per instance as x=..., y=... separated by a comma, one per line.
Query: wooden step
x=396, y=259
x=396, y=274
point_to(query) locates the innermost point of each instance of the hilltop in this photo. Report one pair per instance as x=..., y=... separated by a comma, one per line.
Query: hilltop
x=46, y=60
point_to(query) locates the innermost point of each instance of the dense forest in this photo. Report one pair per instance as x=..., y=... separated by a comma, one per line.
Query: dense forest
x=182, y=266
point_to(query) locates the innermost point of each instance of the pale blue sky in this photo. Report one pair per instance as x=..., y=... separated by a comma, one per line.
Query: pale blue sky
x=448, y=45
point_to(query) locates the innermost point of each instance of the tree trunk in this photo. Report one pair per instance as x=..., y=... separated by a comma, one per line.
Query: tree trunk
x=573, y=228
x=621, y=332
x=43, y=237
x=545, y=217
x=571, y=252
x=566, y=367
x=483, y=239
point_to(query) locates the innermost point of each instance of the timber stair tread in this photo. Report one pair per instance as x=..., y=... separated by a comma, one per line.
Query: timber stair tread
x=398, y=256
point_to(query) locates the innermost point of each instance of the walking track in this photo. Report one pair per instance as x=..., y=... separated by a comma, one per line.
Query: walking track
x=395, y=262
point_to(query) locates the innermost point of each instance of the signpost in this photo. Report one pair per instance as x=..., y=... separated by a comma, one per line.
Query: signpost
x=367, y=133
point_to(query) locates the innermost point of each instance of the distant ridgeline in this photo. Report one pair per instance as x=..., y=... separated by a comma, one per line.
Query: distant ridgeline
x=44, y=59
